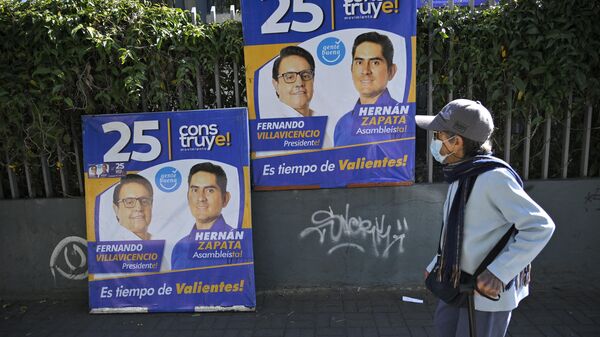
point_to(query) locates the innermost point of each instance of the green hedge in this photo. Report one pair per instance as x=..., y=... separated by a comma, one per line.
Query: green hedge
x=65, y=58
x=62, y=59
x=539, y=50
x=529, y=55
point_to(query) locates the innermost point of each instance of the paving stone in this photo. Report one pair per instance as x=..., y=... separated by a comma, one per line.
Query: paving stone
x=241, y=323
x=331, y=331
x=268, y=333
x=151, y=333
x=299, y=324
x=330, y=307
x=580, y=317
x=519, y=319
x=565, y=317
x=220, y=323
x=370, y=323
x=566, y=331
x=543, y=319
x=307, y=333
x=231, y=333
x=430, y=331
x=338, y=321
x=354, y=332
x=418, y=332
x=350, y=306
x=323, y=320
x=396, y=320
x=418, y=322
x=580, y=329
x=386, y=332
x=299, y=333
x=194, y=333
x=366, y=309
x=370, y=332
x=381, y=320
x=549, y=331
x=523, y=330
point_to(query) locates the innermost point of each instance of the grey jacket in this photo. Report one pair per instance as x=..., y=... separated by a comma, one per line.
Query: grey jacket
x=496, y=202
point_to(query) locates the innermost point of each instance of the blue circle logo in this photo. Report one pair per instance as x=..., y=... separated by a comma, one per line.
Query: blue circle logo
x=168, y=179
x=331, y=51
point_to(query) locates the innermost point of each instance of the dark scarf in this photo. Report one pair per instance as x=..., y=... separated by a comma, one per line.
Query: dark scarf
x=466, y=173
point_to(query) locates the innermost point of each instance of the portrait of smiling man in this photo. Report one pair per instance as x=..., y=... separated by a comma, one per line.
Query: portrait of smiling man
x=293, y=81
x=132, y=203
x=372, y=68
x=207, y=196
x=93, y=172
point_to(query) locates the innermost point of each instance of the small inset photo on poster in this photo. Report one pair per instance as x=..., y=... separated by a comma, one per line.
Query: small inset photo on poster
x=92, y=171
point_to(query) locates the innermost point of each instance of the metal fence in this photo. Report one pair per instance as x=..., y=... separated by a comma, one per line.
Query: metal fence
x=507, y=124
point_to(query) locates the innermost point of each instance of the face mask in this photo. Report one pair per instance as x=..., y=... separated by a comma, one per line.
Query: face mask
x=436, y=148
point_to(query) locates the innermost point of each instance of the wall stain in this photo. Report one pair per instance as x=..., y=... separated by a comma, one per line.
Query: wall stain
x=592, y=200
x=69, y=259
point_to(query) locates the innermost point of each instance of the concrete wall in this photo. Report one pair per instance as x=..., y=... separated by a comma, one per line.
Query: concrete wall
x=336, y=237
x=30, y=232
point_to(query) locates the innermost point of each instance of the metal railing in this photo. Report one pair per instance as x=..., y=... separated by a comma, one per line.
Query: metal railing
x=566, y=157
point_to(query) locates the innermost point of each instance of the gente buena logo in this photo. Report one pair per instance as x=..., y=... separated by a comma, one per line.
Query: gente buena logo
x=370, y=8
x=202, y=137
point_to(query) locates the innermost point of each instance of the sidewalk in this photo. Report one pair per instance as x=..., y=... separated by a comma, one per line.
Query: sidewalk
x=307, y=313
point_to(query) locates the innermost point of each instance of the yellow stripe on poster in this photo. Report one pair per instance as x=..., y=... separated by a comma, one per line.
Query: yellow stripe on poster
x=130, y=275
x=93, y=188
x=332, y=15
x=247, y=220
x=169, y=137
x=412, y=96
x=254, y=156
x=255, y=57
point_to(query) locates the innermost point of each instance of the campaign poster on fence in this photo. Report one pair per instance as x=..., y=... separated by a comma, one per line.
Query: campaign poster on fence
x=168, y=216
x=331, y=92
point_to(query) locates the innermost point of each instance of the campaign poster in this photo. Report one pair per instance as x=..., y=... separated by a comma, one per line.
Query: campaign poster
x=167, y=198
x=331, y=92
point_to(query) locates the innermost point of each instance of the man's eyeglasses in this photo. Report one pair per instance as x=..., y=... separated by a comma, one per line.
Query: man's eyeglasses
x=130, y=202
x=305, y=75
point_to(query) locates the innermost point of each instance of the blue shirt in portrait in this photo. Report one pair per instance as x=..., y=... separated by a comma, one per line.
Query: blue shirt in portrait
x=200, y=247
x=346, y=128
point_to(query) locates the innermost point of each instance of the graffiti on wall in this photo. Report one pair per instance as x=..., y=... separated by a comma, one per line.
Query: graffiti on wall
x=343, y=231
x=69, y=259
x=592, y=200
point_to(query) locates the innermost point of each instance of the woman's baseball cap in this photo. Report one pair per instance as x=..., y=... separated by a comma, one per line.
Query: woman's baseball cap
x=467, y=118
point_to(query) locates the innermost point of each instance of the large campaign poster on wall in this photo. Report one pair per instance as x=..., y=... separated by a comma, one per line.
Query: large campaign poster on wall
x=167, y=199
x=331, y=92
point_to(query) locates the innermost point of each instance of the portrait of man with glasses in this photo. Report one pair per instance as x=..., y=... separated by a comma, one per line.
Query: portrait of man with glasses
x=132, y=203
x=293, y=81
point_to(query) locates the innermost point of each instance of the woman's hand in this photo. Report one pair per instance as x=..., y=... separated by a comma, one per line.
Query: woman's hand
x=489, y=285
